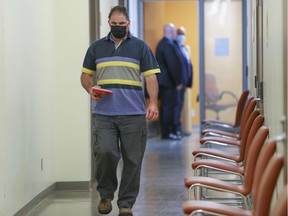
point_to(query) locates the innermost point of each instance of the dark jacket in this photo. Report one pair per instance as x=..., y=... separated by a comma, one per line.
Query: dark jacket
x=169, y=63
x=187, y=67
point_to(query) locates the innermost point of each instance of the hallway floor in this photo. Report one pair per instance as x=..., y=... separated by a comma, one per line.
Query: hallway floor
x=162, y=191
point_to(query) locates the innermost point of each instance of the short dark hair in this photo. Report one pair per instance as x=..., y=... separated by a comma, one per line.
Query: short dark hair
x=119, y=9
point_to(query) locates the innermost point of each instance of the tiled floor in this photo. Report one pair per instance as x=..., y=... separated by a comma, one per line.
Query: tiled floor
x=162, y=190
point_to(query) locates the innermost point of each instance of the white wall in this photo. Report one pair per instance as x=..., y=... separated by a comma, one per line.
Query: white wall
x=44, y=112
x=274, y=58
x=70, y=101
x=2, y=114
x=273, y=72
x=273, y=49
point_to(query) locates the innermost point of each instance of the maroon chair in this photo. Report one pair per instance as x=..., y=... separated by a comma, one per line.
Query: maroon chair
x=254, y=122
x=261, y=201
x=238, y=115
x=222, y=132
x=244, y=190
x=224, y=166
x=226, y=139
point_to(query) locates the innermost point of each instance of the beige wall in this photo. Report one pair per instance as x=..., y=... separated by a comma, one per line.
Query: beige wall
x=44, y=113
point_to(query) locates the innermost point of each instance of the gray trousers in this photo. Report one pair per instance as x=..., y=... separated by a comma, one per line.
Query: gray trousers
x=116, y=137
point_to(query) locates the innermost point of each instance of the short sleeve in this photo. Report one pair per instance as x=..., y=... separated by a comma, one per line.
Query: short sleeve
x=89, y=65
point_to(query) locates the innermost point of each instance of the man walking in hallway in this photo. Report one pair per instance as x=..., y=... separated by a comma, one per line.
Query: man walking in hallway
x=118, y=62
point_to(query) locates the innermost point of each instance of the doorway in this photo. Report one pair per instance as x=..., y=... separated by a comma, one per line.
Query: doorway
x=223, y=60
x=217, y=36
x=181, y=13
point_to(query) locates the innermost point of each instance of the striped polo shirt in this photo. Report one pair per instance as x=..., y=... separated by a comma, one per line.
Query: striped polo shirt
x=120, y=69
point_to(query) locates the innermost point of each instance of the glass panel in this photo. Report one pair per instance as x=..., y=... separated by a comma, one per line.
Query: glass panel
x=223, y=58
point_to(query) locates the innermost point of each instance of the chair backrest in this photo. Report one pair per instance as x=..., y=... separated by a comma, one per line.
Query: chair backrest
x=258, y=122
x=211, y=89
x=250, y=126
x=267, y=151
x=240, y=107
x=251, y=104
x=262, y=200
x=280, y=208
x=252, y=157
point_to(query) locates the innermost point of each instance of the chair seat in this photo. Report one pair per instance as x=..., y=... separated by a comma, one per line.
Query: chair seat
x=220, y=133
x=191, y=206
x=220, y=140
x=217, y=153
x=218, y=164
x=217, y=184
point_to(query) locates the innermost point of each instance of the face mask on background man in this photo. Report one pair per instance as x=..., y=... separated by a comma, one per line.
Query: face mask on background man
x=180, y=39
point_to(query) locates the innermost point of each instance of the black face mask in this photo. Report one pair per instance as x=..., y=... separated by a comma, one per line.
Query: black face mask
x=118, y=31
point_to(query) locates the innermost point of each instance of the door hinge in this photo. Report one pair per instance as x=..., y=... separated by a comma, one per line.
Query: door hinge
x=255, y=81
x=261, y=90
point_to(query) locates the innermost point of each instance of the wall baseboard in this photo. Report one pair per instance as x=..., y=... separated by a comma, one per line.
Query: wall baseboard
x=37, y=200
x=83, y=186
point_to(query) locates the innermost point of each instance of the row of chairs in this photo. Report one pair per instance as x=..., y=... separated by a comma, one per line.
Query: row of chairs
x=236, y=170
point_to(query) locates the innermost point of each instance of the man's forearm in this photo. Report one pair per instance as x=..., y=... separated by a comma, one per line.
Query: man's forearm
x=86, y=81
x=152, y=88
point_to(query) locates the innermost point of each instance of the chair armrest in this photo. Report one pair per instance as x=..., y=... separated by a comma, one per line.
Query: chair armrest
x=223, y=93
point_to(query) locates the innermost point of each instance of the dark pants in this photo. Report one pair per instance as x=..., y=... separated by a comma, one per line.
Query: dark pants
x=117, y=136
x=180, y=103
x=168, y=105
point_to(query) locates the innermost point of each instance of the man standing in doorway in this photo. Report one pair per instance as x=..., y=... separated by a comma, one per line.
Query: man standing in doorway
x=170, y=81
x=187, y=77
x=118, y=62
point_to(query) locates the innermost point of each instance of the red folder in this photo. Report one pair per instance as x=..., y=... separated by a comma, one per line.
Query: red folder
x=101, y=91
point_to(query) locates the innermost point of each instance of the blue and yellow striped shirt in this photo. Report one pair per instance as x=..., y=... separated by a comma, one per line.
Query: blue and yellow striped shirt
x=120, y=69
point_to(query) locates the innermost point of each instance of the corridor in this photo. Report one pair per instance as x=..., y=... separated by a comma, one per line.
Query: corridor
x=162, y=191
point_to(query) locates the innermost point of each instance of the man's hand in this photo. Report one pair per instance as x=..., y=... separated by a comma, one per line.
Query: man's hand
x=179, y=87
x=152, y=112
x=95, y=96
